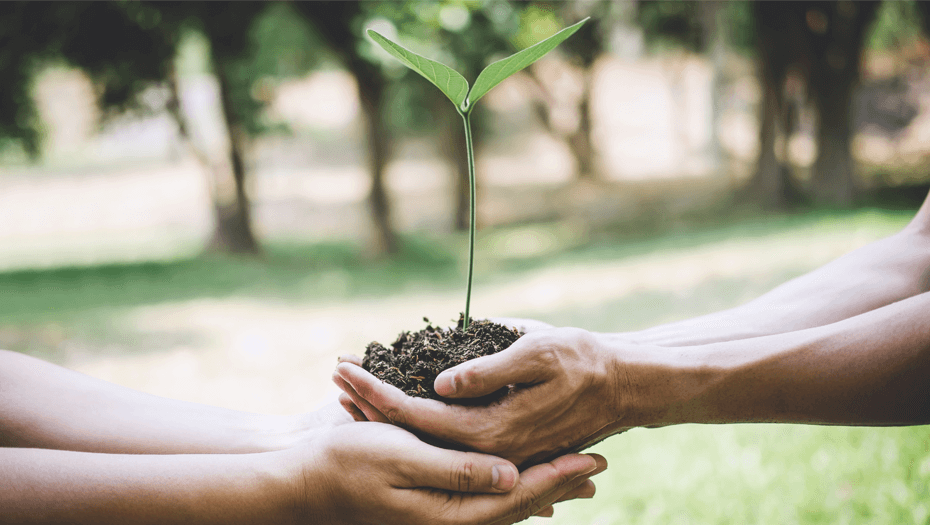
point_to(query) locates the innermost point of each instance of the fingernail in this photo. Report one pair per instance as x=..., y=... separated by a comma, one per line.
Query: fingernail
x=447, y=383
x=591, y=468
x=503, y=477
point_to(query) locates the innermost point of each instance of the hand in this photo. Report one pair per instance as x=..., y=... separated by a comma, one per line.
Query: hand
x=374, y=473
x=566, y=398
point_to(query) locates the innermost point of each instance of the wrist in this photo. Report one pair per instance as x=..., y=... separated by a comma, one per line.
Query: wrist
x=273, y=433
x=316, y=495
x=282, y=484
x=657, y=386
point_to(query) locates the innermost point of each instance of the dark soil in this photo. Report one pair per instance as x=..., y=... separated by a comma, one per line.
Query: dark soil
x=414, y=360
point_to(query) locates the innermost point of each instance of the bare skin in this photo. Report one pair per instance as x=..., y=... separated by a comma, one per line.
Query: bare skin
x=847, y=344
x=78, y=450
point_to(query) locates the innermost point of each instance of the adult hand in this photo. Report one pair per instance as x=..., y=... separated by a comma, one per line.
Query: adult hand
x=366, y=473
x=566, y=397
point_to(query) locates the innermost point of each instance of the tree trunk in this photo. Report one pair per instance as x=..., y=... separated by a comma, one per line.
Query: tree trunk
x=335, y=22
x=579, y=141
x=924, y=8
x=834, y=180
x=233, y=231
x=371, y=94
x=772, y=184
x=834, y=76
x=715, y=39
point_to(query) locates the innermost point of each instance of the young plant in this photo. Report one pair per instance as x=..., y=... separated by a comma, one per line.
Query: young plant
x=454, y=86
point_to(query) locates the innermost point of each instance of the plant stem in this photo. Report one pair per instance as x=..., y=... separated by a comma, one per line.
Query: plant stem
x=466, y=116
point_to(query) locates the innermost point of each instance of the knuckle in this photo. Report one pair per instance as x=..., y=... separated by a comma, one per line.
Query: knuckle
x=544, y=348
x=363, y=389
x=396, y=415
x=547, y=356
x=465, y=477
x=469, y=377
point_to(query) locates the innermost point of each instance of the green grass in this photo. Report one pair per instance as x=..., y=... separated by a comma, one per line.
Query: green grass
x=739, y=474
x=760, y=474
x=337, y=270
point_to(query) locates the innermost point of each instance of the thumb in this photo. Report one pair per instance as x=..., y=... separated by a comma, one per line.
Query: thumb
x=438, y=468
x=520, y=363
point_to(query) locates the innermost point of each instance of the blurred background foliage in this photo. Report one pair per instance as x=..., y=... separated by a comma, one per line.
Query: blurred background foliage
x=212, y=200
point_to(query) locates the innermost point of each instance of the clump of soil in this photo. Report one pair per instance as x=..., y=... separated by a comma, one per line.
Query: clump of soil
x=414, y=360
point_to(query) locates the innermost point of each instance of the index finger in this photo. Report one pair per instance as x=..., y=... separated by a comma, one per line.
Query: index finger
x=454, y=423
x=537, y=488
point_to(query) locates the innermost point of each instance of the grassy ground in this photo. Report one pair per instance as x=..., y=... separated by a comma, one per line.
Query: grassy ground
x=262, y=335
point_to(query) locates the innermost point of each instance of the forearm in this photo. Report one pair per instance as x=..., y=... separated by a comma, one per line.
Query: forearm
x=872, y=369
x=871, y=277
x=45, y=406
x=54, y=486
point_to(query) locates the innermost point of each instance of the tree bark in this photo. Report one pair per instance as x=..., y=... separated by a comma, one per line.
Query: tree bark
x=715, y=40
x=777, y=25
x=924, y=8
x=579, y=141
x=834, y=181
x=371, y=94
x=836, y=46
x=335, y=22
x=233, y=231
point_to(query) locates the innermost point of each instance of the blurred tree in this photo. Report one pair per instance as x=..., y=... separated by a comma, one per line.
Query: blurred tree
x=924, y=8
x=836, y=37
x=340, y=26
x=583, y=49
x=126, y=48
x=779, y=43
x=715, y=40
x=227, y=28
x=898, y=24
x=710, y=27
x=822, y=43
x=111, y=42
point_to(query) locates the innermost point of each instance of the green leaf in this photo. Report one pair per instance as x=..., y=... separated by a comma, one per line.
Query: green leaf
x=448, y=80
x=495, y=73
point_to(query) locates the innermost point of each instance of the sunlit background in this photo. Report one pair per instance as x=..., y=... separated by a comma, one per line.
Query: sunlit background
x=212, y=201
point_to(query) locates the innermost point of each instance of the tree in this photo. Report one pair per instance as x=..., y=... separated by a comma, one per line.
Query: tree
x=779, y=38
x=226, y=26
x=836, y=36
x=113, y=44
x=583, y=49
x=339, y=24
x=823, y=42
x=126, y=48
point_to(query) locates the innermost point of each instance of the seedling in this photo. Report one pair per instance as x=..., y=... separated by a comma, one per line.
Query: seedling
x=454, y=86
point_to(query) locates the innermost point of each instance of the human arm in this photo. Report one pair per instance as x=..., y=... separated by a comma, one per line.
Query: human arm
x=337, y=473
x=43, y=405
x=875, y=275
x=352, y=474
x=575, y=388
